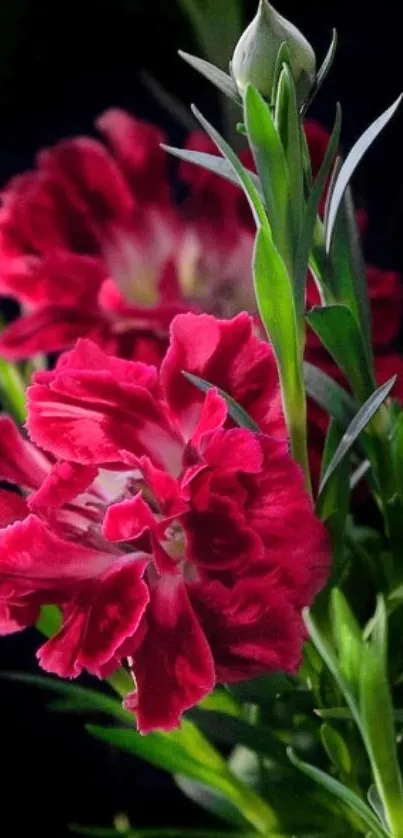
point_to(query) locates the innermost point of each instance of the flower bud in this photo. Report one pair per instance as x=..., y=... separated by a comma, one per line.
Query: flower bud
x=255, y=55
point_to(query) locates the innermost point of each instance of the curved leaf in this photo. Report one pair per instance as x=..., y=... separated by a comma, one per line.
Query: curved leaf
x=220, y=79
x=361, y=419
x=342, y=792
x=351, y=162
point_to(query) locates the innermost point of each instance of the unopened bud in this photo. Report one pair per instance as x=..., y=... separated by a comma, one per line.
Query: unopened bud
x=254, y=59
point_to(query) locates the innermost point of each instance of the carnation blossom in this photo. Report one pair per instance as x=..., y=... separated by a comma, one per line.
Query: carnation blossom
x=170, y=538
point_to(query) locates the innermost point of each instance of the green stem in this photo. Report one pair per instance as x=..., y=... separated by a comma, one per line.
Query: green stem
x=294, y=402
x=12, y=391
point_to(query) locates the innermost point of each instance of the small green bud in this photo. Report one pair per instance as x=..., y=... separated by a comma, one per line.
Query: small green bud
x=255, y=55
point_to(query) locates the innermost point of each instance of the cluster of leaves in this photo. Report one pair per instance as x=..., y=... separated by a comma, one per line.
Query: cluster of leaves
x=315, y=756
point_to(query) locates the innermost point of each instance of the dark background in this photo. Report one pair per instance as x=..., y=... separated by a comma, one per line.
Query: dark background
x=60, y=66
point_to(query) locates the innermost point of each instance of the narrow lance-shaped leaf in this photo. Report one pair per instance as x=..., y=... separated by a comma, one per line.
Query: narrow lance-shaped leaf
x=170, y=751
x=221, y=80
x=312, y=207
x=289, y=127
x=323, y=72
x=244, y=179
x=341, y=792
x=329, y=395
x=377, y=721
x=351, y=162
x=237, y=413
x=361, y=419
x=333, y=503
x=270, y=162
x=275, y=302
x=338, y=330
x=212, y=163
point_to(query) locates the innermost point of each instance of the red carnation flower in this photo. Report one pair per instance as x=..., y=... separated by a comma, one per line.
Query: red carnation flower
x=186, y=557
x=88, y=242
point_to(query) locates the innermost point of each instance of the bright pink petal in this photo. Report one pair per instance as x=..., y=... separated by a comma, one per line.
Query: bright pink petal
x=98, y=621
x=128, y=519
x=15, y=618
x=137, y=146
x=13, y=507
x=33, y=556
x=252, y=629
x=229, y=356
x=173, y=665
x=20, y=462
x=64, y=482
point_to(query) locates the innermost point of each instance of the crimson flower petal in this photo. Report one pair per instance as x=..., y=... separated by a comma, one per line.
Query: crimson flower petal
x=173, y=665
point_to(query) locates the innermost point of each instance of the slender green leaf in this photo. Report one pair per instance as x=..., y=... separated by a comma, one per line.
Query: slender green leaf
x=100, y=832
x=220, y=79
x=312, y=208
x=289, y=127
x=270, y=162
x=329, y=657
x=186, y=751
x=359, y=473
x=170, y=103
x=76, y=696
x=243, y=176
x=12, y=391
x=351, y=162
x=341, y=792
x=223, y=701
x=348, y=638
x=337, y=329
x=361, y=419
x=237, y=413
x=209, y=799
x=329, y=395
x=333, y=503
x=234, y=731
x=212, y=163
x=275, y=302
x=377, y=720
x=336, y=748
x=347, y=273
x=327, y=62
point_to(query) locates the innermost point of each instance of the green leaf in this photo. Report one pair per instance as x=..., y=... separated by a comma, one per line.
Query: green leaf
x=336, y=748
x=100, y=832
x=351, y=162
x=377, y=721
x=348, y=638
x=209, y=799
x=12, y=391
x=212, y=163
x=50, y=620
x=357, y=425
x=270, y=162
x=337, y=329
x=168, y=101
x=217, y=77
x=309, y=220
x=326, y=63
x=186, y=751
x=333, y=503
x=276, y=304
x=329, y=657
x=243, y=176
x=234, y=731
x=329, y=395
x=237, y=413
x=347, y=272
x=80, y=698
x=341, y=792
x=289, y=127
x=221, y=700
